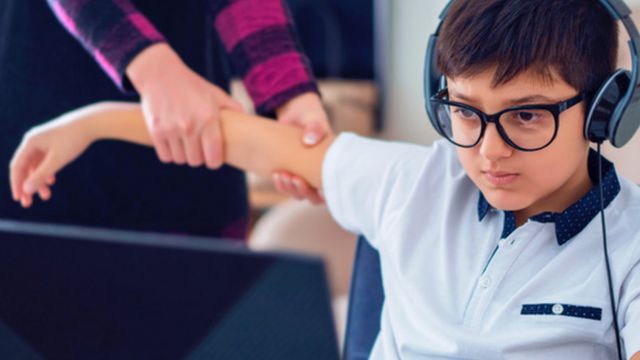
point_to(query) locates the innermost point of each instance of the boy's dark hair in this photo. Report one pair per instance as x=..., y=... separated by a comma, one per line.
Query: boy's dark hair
x=576, y=38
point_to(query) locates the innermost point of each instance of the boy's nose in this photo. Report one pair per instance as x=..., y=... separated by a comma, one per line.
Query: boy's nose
x=492, y=146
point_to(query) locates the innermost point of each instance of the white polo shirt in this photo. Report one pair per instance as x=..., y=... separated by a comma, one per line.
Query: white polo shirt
x=461, y=283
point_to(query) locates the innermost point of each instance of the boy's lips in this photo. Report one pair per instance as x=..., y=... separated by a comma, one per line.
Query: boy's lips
x=500, y=178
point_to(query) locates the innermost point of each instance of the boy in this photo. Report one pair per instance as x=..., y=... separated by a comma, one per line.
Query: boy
x=491, y=249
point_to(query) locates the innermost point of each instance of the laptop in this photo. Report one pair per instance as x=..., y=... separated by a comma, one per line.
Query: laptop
x=71, y=292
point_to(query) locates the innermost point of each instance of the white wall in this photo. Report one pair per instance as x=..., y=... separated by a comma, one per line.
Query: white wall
x=411, y=22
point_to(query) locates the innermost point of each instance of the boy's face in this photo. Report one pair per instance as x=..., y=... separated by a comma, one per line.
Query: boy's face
x=550, y=179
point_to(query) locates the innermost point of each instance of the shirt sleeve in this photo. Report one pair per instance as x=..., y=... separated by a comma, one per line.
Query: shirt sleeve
x=260, y=38
x=366, y=181
x=112, y=31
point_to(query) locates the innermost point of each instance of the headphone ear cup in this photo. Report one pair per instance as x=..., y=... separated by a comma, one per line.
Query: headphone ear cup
x=606, y=107
x=626, y=119
x=432, y=78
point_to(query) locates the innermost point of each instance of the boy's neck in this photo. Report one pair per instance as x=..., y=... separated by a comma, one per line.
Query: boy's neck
x=563, y=197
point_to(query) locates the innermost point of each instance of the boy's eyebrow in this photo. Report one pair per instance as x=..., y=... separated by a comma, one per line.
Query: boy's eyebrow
x=530, y=99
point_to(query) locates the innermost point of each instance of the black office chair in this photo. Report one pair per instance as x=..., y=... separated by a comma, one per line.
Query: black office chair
x=366, y=296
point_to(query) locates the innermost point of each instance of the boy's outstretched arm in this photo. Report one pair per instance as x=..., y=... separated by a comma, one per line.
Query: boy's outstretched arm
x=251, y=143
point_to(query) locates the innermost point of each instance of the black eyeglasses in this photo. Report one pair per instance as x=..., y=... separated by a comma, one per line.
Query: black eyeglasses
x=525, y=128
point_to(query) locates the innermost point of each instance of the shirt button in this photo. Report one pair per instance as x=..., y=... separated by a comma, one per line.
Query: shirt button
x=557, y=309
x=485, y=281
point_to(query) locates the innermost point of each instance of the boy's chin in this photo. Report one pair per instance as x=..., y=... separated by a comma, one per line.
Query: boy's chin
x=506, y=200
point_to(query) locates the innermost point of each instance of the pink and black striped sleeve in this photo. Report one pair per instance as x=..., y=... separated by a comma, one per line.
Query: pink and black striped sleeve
x=260, y=38
x=113, y=31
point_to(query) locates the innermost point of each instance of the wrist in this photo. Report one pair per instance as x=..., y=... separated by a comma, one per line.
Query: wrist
x=149, y=65
x=90, y=128
x=96, y=121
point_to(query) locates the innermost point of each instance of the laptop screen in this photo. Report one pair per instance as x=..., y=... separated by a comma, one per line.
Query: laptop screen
x=79, y=293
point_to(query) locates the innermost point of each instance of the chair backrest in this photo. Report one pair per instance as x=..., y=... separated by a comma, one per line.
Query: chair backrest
x=365, y=303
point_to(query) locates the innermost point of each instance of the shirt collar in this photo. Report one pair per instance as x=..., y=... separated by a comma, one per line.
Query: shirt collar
x=576, y=217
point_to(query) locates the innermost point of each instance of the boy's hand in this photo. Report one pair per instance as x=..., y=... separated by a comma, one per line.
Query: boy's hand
x=181, y=108
x=44, y=150
x=305, y=111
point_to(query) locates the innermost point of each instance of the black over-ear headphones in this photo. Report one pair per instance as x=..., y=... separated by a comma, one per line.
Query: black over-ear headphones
x=614, y=111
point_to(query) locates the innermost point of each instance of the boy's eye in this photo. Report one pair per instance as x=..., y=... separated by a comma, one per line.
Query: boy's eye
x=464, y=113
x=526, y=116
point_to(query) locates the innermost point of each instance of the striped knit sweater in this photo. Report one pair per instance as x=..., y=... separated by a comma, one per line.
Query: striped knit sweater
x=258, y=36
